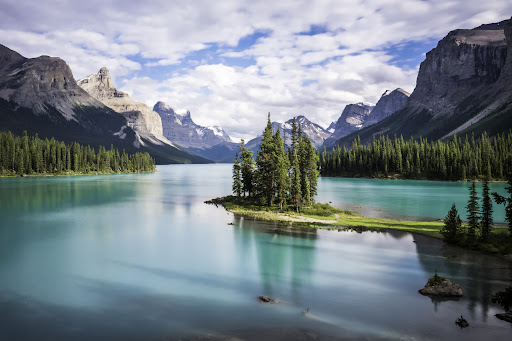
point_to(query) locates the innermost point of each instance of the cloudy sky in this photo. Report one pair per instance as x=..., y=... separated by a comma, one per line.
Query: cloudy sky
x=232, y=62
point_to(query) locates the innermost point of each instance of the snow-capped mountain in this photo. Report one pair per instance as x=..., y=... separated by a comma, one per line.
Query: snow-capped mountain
x=182, y=130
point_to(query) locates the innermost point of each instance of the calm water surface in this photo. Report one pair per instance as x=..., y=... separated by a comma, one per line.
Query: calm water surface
x=140, y=257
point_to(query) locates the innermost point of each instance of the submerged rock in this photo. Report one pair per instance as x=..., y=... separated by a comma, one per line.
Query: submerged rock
x=440, y=286
x=505, y=316
x=267, y=299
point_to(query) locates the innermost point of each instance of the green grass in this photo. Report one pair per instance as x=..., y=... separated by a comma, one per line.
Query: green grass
x=328, y=217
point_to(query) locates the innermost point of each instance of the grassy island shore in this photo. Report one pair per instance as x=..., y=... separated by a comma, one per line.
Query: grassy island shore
x=324, y=216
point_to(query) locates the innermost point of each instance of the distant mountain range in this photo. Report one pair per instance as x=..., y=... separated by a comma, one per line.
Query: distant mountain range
x=40, y=95
x=463, y=86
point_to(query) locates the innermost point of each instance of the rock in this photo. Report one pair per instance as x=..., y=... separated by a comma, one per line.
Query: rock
x=182, y=130
x=461, y=322
x=267, y=299
x=439, y=286
x=505, y=316
x=140, y=117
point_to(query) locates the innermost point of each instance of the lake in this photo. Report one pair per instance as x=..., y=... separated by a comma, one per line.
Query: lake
x=141, y=257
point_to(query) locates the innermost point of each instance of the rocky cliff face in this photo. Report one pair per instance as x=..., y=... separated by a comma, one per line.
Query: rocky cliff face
x=141, y=118
x=464, y=85
x=40, y=95
x=463, y=62
x=41, y=84
x=389, y=103
x=182, y=130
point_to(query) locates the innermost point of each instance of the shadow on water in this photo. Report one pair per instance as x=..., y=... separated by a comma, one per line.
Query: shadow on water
x=479, y=275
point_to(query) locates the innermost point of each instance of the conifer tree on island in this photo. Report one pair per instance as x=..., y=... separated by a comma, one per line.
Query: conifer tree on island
x=237, y=177
x=473, y=215
x=507, y=202
x=246, y=169
x=452, y=229
x=487, y=221
x=278, y=175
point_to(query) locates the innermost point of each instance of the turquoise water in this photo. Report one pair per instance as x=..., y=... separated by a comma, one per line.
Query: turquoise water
x=141, y=257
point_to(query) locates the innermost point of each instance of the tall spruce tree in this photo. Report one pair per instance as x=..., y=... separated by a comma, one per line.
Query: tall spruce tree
x=452, y=229
x=295, y=176
x=507, y=202
x=487, y=220
x=237, y=177
x=265, y=166
x=246, y=168
x=282, y=179
x=472, y=214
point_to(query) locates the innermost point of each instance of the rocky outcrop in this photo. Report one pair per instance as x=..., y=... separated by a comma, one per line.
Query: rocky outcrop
x=41, y=84
x=439, y=286
x=505, y=316
x=463, y=62
x=182, y=130
x=142, y=119
x=40, y=95
x=389, y=103
x=464, y=86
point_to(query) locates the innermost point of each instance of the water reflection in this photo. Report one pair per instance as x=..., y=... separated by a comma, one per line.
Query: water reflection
x=479, y=275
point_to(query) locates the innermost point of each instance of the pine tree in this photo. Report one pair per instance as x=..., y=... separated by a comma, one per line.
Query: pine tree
x=507, y=202
x=282, y=179
x=473, y=214
x=237, y=177
x=487, y=221
x=247, y=168
x=265, y=173
x=452, y=229
x=295, y=176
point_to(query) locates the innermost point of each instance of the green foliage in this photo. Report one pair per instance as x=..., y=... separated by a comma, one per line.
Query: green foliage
x=473, y=216
x=487, y=220
x=246, y=169
x=237, y=177
x=279, y=176
x=452, y=229
x=504, y=298
x=456, y=159
x=507, y=202
x=435, y=280
x=31, y=155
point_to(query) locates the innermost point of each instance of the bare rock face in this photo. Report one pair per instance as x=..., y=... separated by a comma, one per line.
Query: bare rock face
x=41, y=83
x=182, y=130
x=464, y=61
x=141, y=118
x=389, y=103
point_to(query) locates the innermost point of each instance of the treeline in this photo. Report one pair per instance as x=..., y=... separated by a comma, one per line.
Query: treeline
x=478, y=231
x=32, y=155
x=456, y=159
x=280, y=175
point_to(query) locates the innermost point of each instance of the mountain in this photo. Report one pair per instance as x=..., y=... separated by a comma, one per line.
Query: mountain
x=313, y=131
x=40, y=95
x=464, y=85
x=210, y=142
x=182, y=130
x=389, y=103
x=351, y=119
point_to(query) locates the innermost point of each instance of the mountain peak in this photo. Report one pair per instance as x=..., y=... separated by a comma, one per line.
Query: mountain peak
x=162, y=106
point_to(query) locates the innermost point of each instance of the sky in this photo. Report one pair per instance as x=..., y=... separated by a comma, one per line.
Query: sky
x=230, y=62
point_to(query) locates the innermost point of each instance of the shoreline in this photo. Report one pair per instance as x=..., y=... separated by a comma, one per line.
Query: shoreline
x=44, y=175
x=343, y=220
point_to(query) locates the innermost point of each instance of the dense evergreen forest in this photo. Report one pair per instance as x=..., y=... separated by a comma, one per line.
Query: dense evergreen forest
x=280, y=175
x=32, y=155
x=456, y=159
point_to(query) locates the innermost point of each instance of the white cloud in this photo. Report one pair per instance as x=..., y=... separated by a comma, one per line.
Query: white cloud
x=289, y=73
